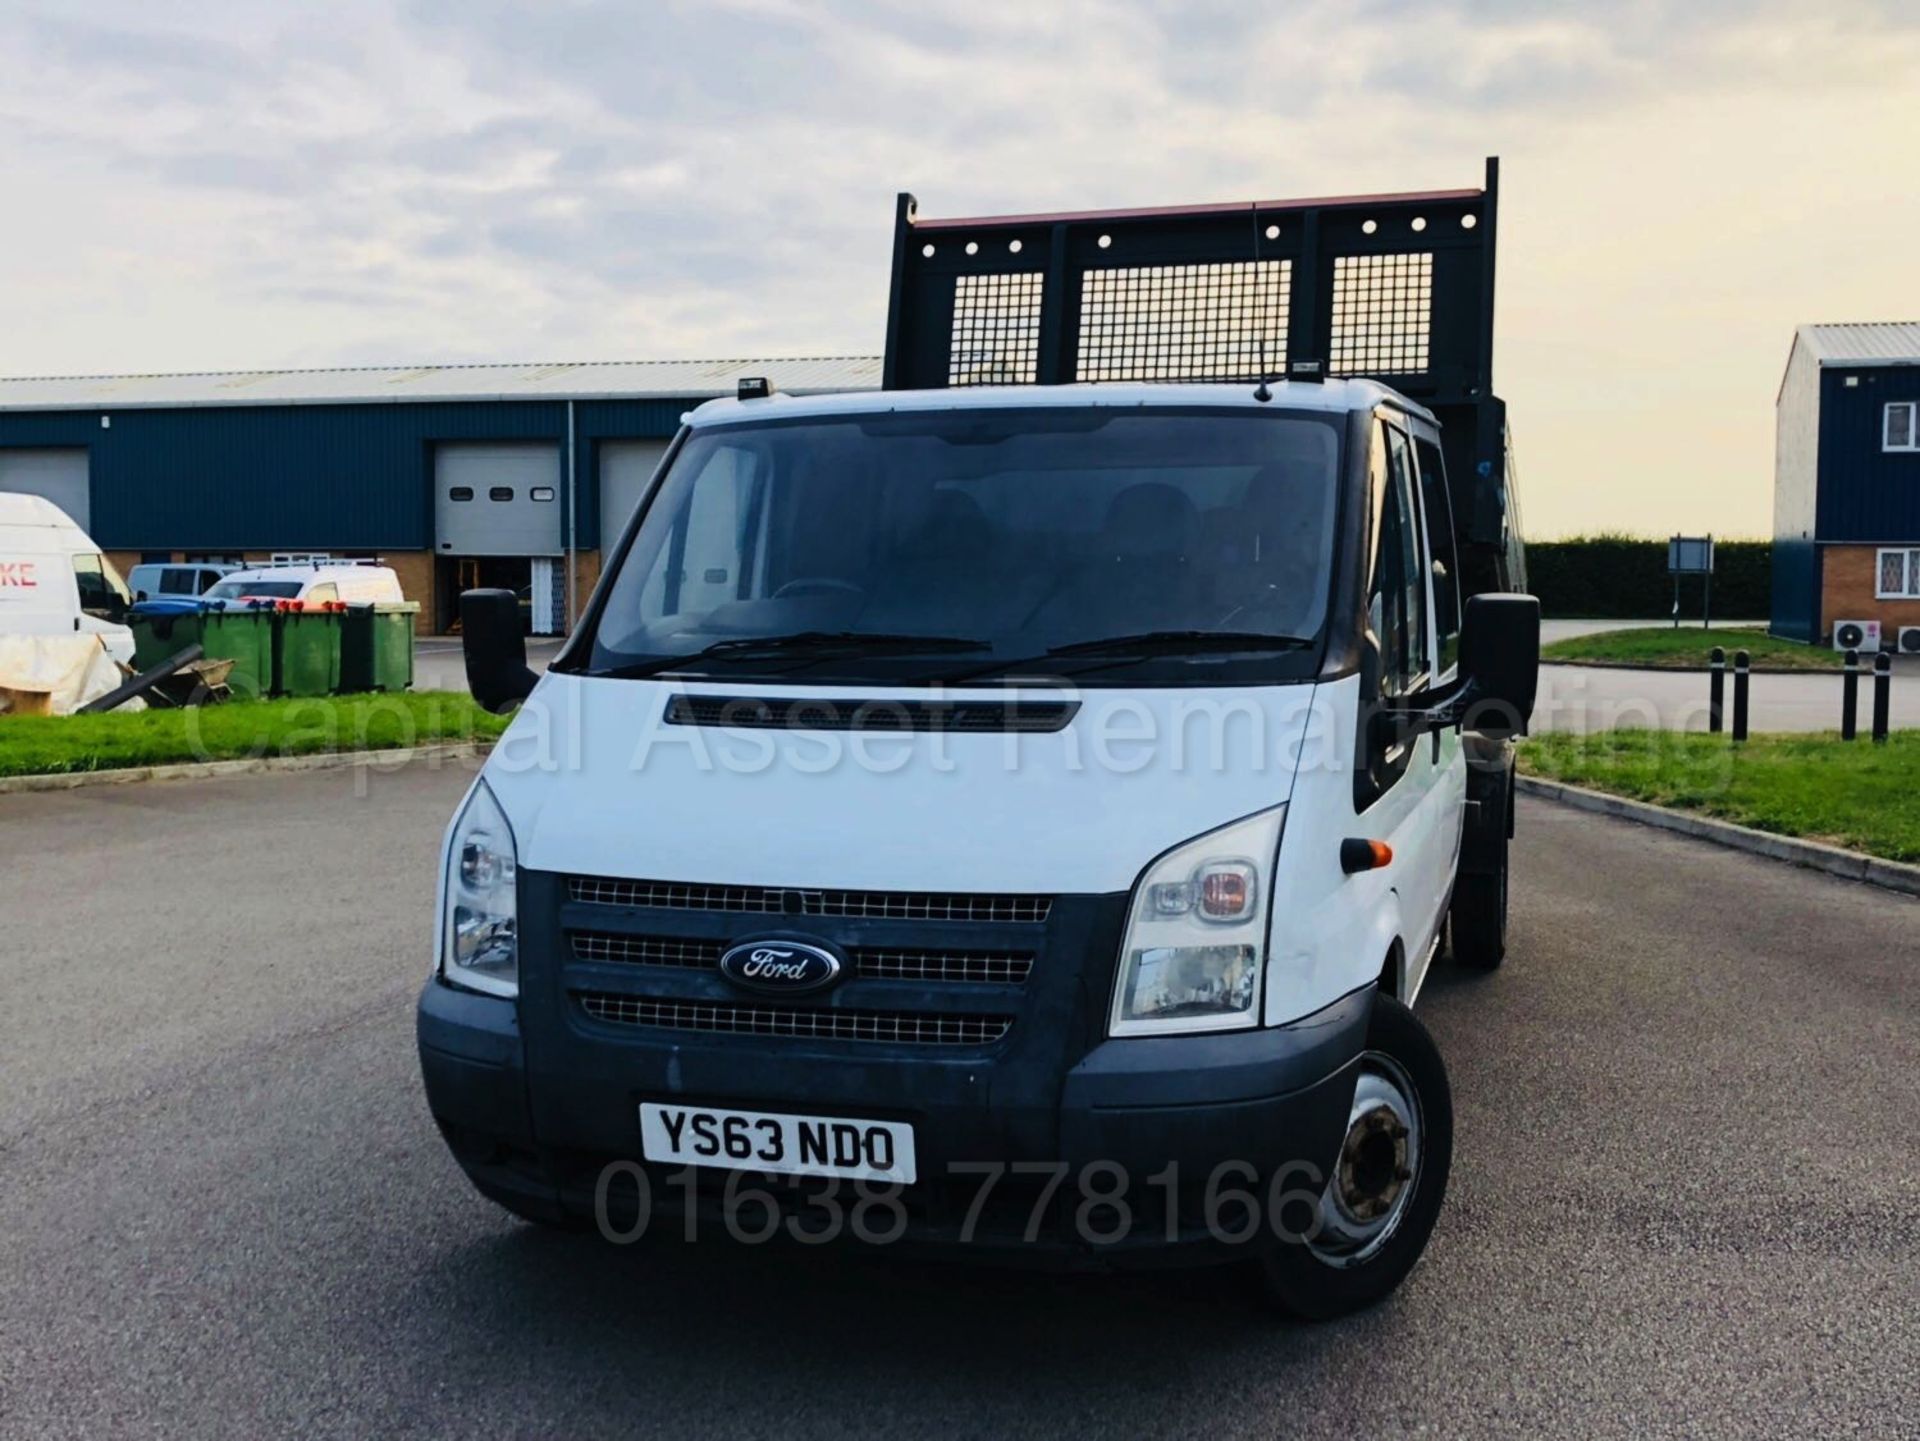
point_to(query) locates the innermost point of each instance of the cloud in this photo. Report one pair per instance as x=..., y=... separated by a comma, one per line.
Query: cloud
x=247, y=184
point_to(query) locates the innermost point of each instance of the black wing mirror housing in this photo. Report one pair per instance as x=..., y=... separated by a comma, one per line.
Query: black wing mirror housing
x=1499, y=662
x=494, y=644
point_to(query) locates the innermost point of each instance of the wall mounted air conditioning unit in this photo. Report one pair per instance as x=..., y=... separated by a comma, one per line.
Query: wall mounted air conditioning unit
x=1860, y=635
x=1909, y=643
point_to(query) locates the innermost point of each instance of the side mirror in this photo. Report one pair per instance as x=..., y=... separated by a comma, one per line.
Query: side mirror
x=1500, y=662
x=494, y=644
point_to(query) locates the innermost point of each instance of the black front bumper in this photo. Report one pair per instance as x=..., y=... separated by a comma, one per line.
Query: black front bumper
x=1181, y=1128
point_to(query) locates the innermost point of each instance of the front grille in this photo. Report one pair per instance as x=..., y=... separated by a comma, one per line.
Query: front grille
x=721, y=1018
x=648, y=950
x=978, y=967
x=792, y=901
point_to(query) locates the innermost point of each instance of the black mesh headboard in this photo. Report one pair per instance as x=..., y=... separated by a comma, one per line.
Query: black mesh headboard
x=1397, y=287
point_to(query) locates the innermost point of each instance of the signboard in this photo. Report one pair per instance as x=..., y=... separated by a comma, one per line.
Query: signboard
x=1690, y=555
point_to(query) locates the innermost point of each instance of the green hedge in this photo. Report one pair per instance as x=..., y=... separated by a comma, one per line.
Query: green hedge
x=1609, y=577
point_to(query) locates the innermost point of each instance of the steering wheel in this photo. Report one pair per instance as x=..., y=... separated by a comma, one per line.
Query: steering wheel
x=816, y=585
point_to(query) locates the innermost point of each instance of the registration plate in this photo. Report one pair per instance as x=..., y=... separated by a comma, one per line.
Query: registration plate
x=784, y=1145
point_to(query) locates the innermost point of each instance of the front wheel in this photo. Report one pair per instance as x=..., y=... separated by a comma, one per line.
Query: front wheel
x=1380, y=1204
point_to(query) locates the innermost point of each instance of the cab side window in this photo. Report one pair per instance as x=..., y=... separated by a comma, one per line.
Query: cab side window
x=324, y=593
x=102, y=593
x=1397, y=597
x=1437, y=503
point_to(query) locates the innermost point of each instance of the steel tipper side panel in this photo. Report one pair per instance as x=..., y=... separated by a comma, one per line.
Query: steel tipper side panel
x=1396, y=288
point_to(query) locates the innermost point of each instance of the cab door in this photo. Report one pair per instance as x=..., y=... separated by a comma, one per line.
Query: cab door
x=1443, y=571
x=1404, y=784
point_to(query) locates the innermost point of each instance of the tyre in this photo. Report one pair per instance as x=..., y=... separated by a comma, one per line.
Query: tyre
x=1379, y=1207
x=531, y=1209
x=1477, y=922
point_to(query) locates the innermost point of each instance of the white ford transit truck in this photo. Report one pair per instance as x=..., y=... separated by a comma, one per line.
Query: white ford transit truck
x=1014, y=812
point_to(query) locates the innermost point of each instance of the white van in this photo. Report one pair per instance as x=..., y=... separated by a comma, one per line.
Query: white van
x=177, y=580
x=55, y=581
x=357, y=582
x=1016, y=820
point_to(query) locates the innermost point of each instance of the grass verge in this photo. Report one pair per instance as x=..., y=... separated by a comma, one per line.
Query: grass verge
x=1664, y=648
x=58, y=745
x=1816, y=787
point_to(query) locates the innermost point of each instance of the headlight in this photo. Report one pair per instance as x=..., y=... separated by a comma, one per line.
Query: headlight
x=1196, y=942
x=479, y=948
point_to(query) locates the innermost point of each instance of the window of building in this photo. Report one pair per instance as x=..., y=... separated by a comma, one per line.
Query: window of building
x=1899, y=574
x=1900, y=427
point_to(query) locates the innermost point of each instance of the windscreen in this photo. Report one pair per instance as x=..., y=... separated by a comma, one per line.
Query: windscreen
x=1003, y=537
x=272, y=589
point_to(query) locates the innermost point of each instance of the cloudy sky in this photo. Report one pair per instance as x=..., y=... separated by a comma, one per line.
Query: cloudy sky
x=225, y=185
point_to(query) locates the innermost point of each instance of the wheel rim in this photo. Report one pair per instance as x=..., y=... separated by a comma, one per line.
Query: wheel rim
x=1378, y=1168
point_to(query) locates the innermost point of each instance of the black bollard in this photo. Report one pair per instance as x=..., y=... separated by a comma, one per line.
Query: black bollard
x=1716, y=689
x=1850, y=697
x=1882, y=694
x=1740, y=663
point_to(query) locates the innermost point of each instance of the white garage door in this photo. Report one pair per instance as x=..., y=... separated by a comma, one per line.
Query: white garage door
x=57, y=475
x=497, y=500
x=625, y=468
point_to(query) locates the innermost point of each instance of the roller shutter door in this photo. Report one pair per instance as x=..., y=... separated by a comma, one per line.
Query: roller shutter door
x=625, y=468
x=57, y=475
x=498, y=500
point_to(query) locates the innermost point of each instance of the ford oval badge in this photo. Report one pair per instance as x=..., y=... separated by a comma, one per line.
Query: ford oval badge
x=780, y=966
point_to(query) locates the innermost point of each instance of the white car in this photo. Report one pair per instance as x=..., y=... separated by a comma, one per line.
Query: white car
x=55, y=581
x=311, y=582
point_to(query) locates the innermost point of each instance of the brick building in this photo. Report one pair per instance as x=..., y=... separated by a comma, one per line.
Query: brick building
x=1846, y=492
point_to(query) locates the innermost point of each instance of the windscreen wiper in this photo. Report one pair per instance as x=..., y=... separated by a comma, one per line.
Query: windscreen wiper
x=1149, y=645
x=1182, y=642
x=805, y=642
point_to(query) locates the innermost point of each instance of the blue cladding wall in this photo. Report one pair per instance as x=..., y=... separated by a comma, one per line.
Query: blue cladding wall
x=339, y=477
x=1796, y=590
x=1866, y=494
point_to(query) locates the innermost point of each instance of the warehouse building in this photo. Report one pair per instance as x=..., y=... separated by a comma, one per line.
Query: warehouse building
x=1846, y=488
x=455, y=475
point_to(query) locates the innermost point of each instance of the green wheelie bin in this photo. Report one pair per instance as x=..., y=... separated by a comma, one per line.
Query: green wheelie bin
x=306, y=651
x=376, y=647
x=241, y=634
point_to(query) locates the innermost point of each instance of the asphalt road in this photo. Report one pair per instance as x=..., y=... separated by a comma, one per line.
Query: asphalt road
x=1684, y=1199
x=1592, y=698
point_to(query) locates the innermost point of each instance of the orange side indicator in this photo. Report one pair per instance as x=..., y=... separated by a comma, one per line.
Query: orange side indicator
x=1364, y=855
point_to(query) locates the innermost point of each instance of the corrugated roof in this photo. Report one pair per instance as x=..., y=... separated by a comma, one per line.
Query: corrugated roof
x=588, y=380
x=1877, y=342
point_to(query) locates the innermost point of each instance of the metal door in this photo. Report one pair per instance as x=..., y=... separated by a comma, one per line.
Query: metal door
x=498, y=500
